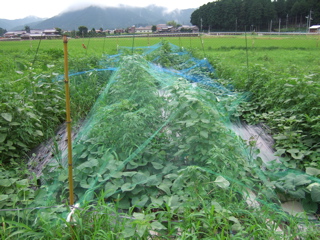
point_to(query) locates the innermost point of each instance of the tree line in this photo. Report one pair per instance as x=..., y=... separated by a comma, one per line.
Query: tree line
x=2, y=31
x=257, y=15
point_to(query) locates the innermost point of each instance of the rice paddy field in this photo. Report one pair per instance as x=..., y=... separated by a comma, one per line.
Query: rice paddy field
x=178, y=172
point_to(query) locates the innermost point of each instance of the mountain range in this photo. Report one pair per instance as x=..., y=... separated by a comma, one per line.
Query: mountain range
x=103, y=17
x=13, y=24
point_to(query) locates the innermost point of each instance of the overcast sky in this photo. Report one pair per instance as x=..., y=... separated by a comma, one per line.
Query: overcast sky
x=15, y=9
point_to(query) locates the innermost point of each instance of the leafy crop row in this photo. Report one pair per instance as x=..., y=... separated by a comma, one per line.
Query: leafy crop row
x=32, y=98
x=283, y=93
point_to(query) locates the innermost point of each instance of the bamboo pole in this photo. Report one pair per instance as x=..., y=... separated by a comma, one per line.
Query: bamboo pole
x=68, y=122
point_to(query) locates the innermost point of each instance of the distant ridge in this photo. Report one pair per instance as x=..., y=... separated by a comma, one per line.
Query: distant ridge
x=110, y=18
x=18, y=24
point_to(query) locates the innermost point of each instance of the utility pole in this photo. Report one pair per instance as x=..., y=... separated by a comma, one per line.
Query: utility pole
x=309, y=21
x=279, y=24
x=236, y=24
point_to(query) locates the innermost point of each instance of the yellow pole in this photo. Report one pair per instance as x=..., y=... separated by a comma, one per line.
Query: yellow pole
x=66, y=81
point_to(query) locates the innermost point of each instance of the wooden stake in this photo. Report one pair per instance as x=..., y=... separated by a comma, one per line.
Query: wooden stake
x=68, y=122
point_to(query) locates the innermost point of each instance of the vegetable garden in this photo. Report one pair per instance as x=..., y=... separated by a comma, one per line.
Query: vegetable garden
x=155, y=154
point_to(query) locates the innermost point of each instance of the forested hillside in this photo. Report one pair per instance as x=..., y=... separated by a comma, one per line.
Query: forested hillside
x=256, y=15
x=115, y=17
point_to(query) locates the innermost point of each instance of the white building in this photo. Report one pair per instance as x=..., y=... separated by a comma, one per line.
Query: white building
x=315, y=29
x=147, y=29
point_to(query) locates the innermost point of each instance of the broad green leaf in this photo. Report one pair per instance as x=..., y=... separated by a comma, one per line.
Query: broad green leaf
x=2, y=137
x=7, y=182
x=32, y=115
x=180, y=152
x=204, y=134
x=301, y=180
x=63, y=176
x=140, y=201
x=157, y=225
x=139, y=216
x=293, y=150
x=157, y=165
x=138, y=189
x=300, y=193
x=40, y=194
x=21, y=144
x=192, y=139
x=116, y=174
x=217, y=207
x=139, y=178
x=153, y=180
x=309, y=206
x=190, y=123
x=22, y=183
x=39, y=133
x=178, y=183
x=222, y=182
x=173, y=202
x=141, y=229
x=157, y=201
x=297, y=156
x=280, y=137
x=312, y=171
x=236, y=227
x=165, y=186
x=205, y=120
x=168, y=168
x=84, y=184
x=7, y=116
x=128, y=174
x=315, y=193
x=124, y=203
x=312, y=185
x=3, y=197
x=88, y=164
x=127, y=187
x=128, y=231
x=171, y=176
x=233, y=219
x=110, y=189
x=194, y=114
x=279, y=152
x=84, y=154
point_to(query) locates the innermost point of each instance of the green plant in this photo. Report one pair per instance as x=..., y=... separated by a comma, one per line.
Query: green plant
x=174, y=166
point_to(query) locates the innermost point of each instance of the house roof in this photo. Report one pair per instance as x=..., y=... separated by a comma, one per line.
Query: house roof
x=32, y=35
x=315, y=27
x=144, y=28
x=35, y=31
x=49, y=30
x=15, y=32
x=161, y=26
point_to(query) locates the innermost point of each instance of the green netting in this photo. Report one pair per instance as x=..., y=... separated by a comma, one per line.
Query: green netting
x=150, y=125
x=160, y=134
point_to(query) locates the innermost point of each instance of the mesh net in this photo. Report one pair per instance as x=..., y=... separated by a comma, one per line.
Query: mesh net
x=161, y=133
x=161, y=114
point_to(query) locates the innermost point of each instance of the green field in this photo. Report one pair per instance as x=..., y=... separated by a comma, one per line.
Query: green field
x=277, y=79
